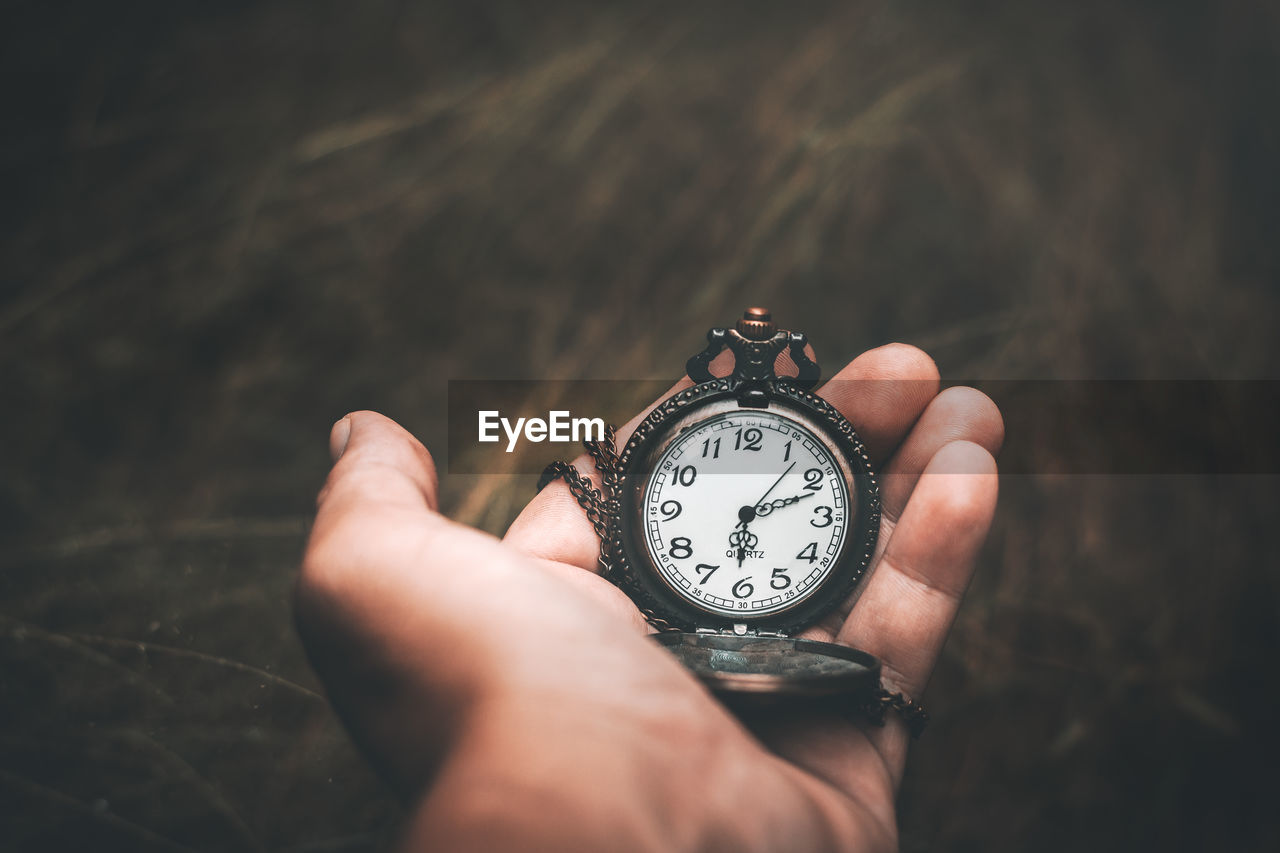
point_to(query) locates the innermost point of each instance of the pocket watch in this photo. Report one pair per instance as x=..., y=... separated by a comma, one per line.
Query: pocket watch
x=740, y=512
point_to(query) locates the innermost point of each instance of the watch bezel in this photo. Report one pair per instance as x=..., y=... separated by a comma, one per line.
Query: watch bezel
x=644, y=581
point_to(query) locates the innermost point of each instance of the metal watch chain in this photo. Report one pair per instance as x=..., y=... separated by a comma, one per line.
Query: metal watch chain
x=602, y=509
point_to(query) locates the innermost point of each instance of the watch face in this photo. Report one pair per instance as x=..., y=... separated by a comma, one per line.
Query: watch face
x=746, y=513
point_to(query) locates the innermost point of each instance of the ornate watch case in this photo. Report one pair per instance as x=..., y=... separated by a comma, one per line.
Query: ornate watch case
x=745, y=644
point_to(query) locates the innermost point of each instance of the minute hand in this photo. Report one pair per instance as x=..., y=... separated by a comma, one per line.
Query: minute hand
x=763, y=509
x=775, y=484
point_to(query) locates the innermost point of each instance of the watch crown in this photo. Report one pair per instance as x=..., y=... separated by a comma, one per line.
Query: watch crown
x=756, y=324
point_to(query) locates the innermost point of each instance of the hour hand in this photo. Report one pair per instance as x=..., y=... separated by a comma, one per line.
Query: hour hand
x=764, y=509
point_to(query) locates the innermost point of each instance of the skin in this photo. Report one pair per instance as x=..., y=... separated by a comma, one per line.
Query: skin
x=513, y=699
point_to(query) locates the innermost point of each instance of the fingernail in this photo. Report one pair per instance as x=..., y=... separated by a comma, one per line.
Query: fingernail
x=338, y=438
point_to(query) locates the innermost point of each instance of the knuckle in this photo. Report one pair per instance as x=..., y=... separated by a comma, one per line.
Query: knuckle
x=327, y=586
x=341, y=543
x=372, y=479
x=322, y=568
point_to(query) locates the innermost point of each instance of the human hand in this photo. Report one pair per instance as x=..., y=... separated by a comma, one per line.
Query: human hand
x=511, y=695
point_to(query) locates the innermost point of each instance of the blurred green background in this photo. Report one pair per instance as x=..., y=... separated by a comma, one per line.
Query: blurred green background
x=227, y=224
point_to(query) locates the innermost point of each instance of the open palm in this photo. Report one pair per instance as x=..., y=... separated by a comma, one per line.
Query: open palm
x=511, y=695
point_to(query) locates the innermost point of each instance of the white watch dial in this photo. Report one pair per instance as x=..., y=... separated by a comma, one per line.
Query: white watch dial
x=746, y=513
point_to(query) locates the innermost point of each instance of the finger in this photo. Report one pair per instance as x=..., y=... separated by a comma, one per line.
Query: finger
x=882, y=393
x=379, y=495
x=375, y=521
x=377, y=529
x=911, y=598
x=374, y=457
x=957, y=414
x=376, y=516
x=369, y=590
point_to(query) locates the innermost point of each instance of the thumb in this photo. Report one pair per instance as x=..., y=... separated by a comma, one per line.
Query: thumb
x=376, y=461
x=376, y=606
